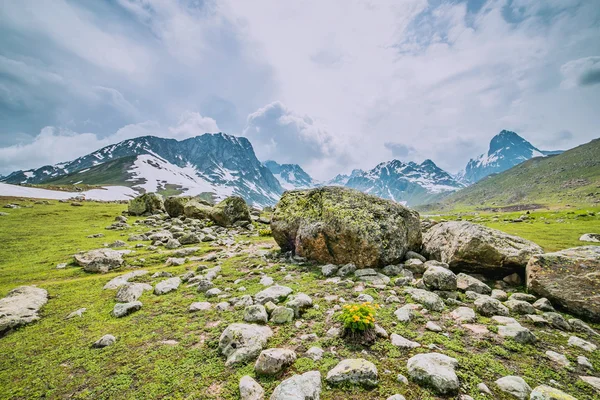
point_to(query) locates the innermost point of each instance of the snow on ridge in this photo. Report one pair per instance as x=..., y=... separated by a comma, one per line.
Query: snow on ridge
x=108, y=193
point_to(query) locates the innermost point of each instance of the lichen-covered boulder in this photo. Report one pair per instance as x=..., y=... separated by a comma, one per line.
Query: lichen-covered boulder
x=570, y=279
x=475, y=248
x=230, y=211
x=353, y=371
x=243, y=342
x=340, y=225
x=435, y=371
x=175, y=205
x=100, y=260
x=198, y=210
x=299, y=387
x=147, y=203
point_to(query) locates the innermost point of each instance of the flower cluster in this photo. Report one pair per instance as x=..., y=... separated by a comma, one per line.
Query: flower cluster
x=359, y=317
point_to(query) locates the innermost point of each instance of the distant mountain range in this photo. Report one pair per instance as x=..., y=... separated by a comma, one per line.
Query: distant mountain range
x=507, y=149
x=219, y=165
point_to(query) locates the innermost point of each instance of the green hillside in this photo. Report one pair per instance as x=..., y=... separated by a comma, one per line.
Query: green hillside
x=572, y=177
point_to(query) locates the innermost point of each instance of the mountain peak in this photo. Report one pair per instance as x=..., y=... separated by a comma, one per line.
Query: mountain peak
x=507, y=139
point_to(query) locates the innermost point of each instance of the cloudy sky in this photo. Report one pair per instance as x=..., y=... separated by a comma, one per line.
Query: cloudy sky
x=329, y=84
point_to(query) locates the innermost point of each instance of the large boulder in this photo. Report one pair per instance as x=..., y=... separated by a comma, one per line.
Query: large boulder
x=299, y=387
x=175, y=205
x=570, y=279
x=435, y=371
x=339, y=225
x=475, y=248
x=147, y=203
x=197, y=209
x=21, y=306
x=100, y=260
x=229, y=211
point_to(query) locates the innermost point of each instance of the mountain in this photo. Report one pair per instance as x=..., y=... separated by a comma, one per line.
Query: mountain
x=290, y=176
x=572, y=177
x=216, y=164
x=408, y=183
x=507, y=149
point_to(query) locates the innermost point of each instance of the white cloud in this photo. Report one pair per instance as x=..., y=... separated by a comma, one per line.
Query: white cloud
x=581, y=72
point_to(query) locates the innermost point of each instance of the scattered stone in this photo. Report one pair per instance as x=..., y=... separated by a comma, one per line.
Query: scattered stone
x=230, y=211
x=476, y=329
x=21, y=306
x=174, y=262
x=203, y=285
x=353, y=371
x=583, y=362
x=214, y=292
x=243, y=342
x=256, y=313
x=166, y=286
x=250, y=389
x=488, y=307
x=499, y=295
x=543, y=304
x=518, y=333
x=415, y=265
x=315, y=353
x=282, y=315
x=100, y=260
x=433, y=327
x=329, y=270
x=502, y=320
x=482, y=387
x=117, y=243
x=537, y=320
x=463, y=314
x=299, y=387
x=396, y=397
x=123, y=309
x=61, y=266
x=405, y=313
x=513, y=279
x=590, y=237
x=274, y=361
x=580, y=326
x=104, y=341
x=564, y=278
x=121, y=280
x=131, y=292
x=468, y=283
x=402, y=379
x=582, y=344
x=275, y=293
x=429, y=300
x=435, y=371
x=266, y=281
x=199, y=306
x=558, y=358
x=299, y=302
x=515, y=386
x=150, y=203
x=76, y=313
x=523, y=297
x=439, y=278
x=544, y=392
x=402, y=342
x=592, y=381
x=346, y=270
x=557, y=321
x=519, y=307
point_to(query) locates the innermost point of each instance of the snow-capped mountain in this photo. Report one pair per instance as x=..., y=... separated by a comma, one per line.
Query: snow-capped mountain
x=507, y=149
x=407, y=183
x=211, y=163
x=290, y=176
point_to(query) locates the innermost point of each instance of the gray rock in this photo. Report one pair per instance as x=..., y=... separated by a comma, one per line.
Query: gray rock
x=266, y=281
x=282, y=315
x=131, y=292
x=580, y=326
x=544, y=392
x=393, y=270
x=429, y=300
x=363, y=297
x=468, y=283
x=513, y=279
x=354, y=371
x=482, y=387
x=487, y=307
x=499, y=295
x=543, y=304
x=21, y=306
x=431, y=326
x=203, y=285
x=190, y=238
x=590, y=237
x=123, y=309
x=557, y=321
x=256, y=313
x=584, y=363
x=523, y=297
x=172, y=244
x=592, y=381
x=166, y=286
x=250, y=389
x=199, y=306
x=104, y=341
x=463, y=314
x=329, y=270
x=402, y=342
x=299, y=302
x=415, y=265
x=582, y=344
x=435, y=371
x=76, y=313
x=405, y=313
x=243, y=342
x=439, y=278
x=519, y=307
x=275, y=293
x=315, y=353
x=214, y=292
x=558, y=358
x=174, y=261
x=412, y=254
x=274, y=361
x=518, y=333
x=515, y=386
x=121, y=280
x=346, y=270
x=472, y=247
x=117, y=243
x=150, y=203
x=299, y=387
x=396, y=397
x=100, y=260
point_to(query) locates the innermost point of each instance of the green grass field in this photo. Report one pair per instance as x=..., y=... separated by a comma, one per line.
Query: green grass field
x=52, y=358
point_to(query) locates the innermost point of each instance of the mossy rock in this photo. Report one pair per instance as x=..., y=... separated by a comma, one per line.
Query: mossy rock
x=175, y=205
x=336, y=225
x=198, y=210
x=147, y=203
x=230, y=211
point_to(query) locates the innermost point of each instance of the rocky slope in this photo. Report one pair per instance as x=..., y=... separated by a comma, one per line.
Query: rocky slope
x=217, y=164
x=506, y=150
x=290, y=176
